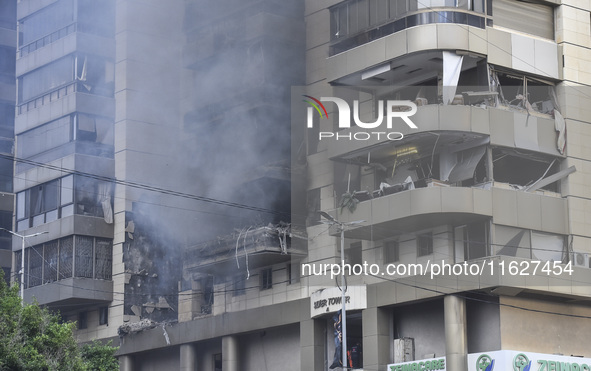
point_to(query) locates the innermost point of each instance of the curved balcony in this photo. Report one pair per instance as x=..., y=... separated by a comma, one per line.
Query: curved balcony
x=505, y=127
x=502, y=48
x=423, y=208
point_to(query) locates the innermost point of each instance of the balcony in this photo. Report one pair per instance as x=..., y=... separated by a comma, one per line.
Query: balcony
x=252, y=247
x=72, y=292
x=412, y=210
x=505, y=126
x=68, y=271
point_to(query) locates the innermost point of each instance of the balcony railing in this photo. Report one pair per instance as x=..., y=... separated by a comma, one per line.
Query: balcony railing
x=52, y=37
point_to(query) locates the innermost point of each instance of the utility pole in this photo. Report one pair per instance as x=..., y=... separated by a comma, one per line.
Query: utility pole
x=22, y=272
x=341, y=226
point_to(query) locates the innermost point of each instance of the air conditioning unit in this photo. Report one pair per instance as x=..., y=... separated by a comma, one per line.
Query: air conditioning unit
x=580, y=259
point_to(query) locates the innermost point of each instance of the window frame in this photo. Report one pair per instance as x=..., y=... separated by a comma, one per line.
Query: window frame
x=266, y=278
x=391, y=251
x=104, y=316
x=423, y=238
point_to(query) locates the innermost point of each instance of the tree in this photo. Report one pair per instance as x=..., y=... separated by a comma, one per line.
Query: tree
x=99, y=357
x=33, y=338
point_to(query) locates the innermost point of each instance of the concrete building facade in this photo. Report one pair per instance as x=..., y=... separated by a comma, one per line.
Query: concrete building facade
x=8, y=91
x=123, y=117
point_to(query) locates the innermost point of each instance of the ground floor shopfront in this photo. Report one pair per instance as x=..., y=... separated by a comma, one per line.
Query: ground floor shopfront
x=461, y=332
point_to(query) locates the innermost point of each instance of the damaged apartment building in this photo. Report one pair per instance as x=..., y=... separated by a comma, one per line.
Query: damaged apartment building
x=156, y=156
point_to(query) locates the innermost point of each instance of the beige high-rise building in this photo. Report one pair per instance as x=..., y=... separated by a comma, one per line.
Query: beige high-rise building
x=153, y=143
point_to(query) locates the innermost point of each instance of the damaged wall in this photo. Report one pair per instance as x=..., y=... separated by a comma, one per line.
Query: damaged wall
x=151, y=270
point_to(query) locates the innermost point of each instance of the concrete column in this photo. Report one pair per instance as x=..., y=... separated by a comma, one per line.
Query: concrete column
x=126, y=363
x=456, y=344
x=230, y=361
x=188, y=357
x=376, y=338
x=312, y=345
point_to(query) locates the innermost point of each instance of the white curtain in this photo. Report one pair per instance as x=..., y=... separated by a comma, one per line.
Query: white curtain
x=104, y=194
x=452, y=67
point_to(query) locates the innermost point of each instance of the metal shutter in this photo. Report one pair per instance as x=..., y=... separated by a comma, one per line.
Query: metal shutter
x=535, y=19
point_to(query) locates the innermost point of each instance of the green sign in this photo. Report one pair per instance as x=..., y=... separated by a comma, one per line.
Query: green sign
x=429, y=365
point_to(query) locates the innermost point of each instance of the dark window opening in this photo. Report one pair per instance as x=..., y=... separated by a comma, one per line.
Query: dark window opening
x=82, y=320
x=472, y=240
x=391, y=252
x=313, y=200
x=217, y=362
x=104, y=316
x=293, y=273
x=208, y=295
x=239, y=285
x=425, y=244
x=523, y=170
x=266, y=278
x=56, y=199
x=523, y=92
x=354, y=253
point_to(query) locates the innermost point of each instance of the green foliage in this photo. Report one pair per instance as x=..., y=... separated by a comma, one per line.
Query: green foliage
x=99, y=357
x=33, y=338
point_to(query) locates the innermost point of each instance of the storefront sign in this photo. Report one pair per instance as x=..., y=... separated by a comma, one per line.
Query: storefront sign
x=422, y=365
x=512, y=360
x=329, y=300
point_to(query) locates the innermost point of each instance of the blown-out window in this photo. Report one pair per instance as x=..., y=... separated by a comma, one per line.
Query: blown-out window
x=61, y=198
x=44, y=203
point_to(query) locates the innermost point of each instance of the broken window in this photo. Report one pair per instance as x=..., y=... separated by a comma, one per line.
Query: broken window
x=93, y=198
x=95, y=75
x=525, y=92
x=266, y=278
x=425, y=244
x=90, y=128
x=523, y=168
x=208, y=295
x=44, y=203
x=391, y=252
x=347, y=178
x=103, y=315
